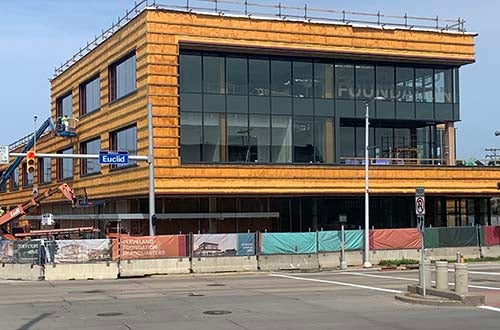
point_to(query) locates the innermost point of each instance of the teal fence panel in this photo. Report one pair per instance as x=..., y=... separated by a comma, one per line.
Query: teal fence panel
x=288, y=243
x=451, y=237
x=329, y=241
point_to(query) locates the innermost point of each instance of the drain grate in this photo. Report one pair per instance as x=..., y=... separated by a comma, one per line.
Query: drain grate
x=217, y=312
x=109, y=314
x=216, y=284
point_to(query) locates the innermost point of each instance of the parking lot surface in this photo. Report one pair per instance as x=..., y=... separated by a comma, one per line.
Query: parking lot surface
x=353, y=299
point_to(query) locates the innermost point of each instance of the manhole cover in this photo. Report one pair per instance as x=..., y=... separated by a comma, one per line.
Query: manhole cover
x=109, y=314
x=216, y=284
x=217, y=312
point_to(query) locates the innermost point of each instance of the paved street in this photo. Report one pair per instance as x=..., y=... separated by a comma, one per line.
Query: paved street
x=355, y=299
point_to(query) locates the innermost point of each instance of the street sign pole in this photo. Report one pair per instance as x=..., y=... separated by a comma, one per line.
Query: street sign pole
x=420, y=212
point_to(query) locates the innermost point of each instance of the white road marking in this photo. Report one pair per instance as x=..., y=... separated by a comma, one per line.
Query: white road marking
x=490, y=308
x=335, y=282
x=416, y=280
x=476, y=272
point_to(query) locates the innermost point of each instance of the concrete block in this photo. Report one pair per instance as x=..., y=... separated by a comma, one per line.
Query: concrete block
x=354, y=258
x=289, y=262
x=451, y=253
x=25, y=272
x=145, y=267
x=377, y=256
x=329, y=260
x=224, y=264
x=95, y=271
x=490, y=251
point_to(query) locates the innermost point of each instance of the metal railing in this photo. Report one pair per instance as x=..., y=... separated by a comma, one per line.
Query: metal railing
x=393, y=161
x=271, y=11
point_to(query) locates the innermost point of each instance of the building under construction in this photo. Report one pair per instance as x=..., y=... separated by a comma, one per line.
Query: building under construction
x=259, y=122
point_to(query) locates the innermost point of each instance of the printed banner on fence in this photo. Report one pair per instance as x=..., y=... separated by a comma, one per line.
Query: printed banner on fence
x=150, y=247
x=78, y=251
x=491, y=235
x=20, y=252
x=288, y=243
x=329, y=241
x=395, y=239
x=213, y=245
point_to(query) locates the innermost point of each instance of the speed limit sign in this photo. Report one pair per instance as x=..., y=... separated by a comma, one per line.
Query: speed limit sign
x=419, y=201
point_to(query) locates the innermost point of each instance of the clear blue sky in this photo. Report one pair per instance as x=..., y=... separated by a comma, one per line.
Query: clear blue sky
x=37, y=35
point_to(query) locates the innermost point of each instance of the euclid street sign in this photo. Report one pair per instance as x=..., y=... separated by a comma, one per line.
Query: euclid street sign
x=113, y=158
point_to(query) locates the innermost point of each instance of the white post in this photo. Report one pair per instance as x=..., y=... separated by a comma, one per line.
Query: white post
x=151, y=171
x=367, y=263
x=343, y=263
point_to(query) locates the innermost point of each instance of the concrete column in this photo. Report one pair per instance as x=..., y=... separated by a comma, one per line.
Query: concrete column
x=442, y=275
x=427, y=274
x=449, y=143
x=461, y=279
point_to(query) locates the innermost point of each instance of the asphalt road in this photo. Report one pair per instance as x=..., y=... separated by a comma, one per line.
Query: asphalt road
x=356, y=299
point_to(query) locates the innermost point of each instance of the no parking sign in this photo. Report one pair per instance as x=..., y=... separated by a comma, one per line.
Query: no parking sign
x=419, y=201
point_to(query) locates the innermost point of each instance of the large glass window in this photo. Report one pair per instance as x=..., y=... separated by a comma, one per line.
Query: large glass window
x=122, y=77
x=385, y=82
x=323, y=80
x=213, y=137
x=90, y=96
x=213, y=74
x=237, y=78
x=303, y=140
x=27, y=177
x=90, y=166
x=190, y=73
x=238, y=146
x=260, y=138
x=344, y=81
x=281, y=78
x=302, y=79
x=365, y=82
x=281, y=151
x=405, y=84
x=65, y=165
x=259, y=80
x=443, y=80
x=14, y=180
x=191, y=137
x=64, y=106
x=424, y=86
x=44, y=170
x=125, y=140
x=348, y=142
x=324, y=138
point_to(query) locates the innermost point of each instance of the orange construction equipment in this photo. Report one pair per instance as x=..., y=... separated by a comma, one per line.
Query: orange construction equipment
x=23, y=209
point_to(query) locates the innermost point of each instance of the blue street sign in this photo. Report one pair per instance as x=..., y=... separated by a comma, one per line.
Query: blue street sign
x=113, y=158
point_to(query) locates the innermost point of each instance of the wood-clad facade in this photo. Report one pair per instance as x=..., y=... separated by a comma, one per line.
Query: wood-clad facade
x=156, y=37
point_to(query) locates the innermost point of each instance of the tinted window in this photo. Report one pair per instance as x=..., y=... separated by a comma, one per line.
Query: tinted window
x=405, y=83
x=44, y=170
x=365, y=82
x=344, y=81
x=281, y=78
x=323, y=80
x=443, y=80
x=125, y=140
x=89, y=166
x=302, y=79
x=190, y=73
x=258, y=77
x=191, y=138
x=424, y=85
x=90, y=96
x=385, y=82
x=125, y=77
x=237, y=78
x=213, y=74
x=65, y=165
x=65, y=106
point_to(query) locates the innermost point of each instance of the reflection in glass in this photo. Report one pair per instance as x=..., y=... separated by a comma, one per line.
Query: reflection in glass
x=323, y=80
x=365, y=81
x=443, y=80
x=302, y=79
x=238, y=147
x=191, y=141
x=259, y=77
x=347, y=142
x=385, y=82
x=125, y=77
x=282, y=139
x=213, y=74
x=236, y=70
x=323, y=130
x=90, y=166
x=303, y=139
x=213, y=135
x=344, y=81
x=424, y=86
x=281, y=77
x=405, y=84
x=260, y=138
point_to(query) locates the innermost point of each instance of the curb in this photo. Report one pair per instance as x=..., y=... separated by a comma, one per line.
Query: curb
x=411, y=299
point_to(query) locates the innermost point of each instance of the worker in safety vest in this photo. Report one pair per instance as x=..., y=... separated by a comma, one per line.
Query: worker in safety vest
x=65, y=121
x=2, y=211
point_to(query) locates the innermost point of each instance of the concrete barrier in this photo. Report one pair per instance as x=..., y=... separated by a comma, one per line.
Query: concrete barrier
x=354, y=258
x=490, y=251
x=94, y=271
x=145, y=267
x=329, y=260
x=224, y=264
x=25, y=272
x=451, y=253
x=377, y=256
x=289, y=262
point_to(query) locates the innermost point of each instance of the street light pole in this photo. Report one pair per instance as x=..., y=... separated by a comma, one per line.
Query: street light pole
x=366, y=262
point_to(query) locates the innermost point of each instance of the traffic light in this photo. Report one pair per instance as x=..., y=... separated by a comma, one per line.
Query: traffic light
x=31, y=161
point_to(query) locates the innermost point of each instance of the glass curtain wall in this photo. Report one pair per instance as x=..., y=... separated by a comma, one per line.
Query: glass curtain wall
x=252, y=109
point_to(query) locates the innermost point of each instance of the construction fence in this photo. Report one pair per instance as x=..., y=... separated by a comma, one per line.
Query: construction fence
x=243, y=244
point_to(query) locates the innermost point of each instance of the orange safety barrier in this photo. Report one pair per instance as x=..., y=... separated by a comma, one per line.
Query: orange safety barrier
x=150, y=247
x=393, y=239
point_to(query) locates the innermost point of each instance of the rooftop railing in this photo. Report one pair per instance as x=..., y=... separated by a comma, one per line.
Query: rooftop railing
x=278, y=11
